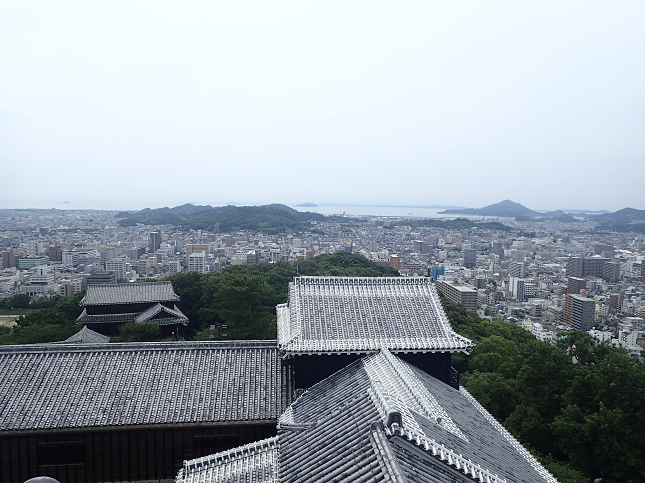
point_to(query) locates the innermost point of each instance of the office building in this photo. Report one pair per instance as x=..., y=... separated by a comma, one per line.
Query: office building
x=99, y=277
x=28, y=262
x=118, y=266
x=517, y=288
x=154, y=242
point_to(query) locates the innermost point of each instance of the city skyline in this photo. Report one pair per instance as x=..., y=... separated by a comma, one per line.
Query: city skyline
x=363, y=103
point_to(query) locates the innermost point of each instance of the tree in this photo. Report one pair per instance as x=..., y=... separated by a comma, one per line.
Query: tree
x=139, y=332
x=244, y=304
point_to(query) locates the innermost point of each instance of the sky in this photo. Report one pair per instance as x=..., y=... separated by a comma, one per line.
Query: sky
x=130, y=104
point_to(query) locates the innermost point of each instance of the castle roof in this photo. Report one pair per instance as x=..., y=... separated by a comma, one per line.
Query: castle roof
x=129, y=293
x=380, y=419
x=94, y=385
x=85, y=336
x=363, y=314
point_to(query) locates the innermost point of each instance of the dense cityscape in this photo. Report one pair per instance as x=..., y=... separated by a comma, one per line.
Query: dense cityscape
x=546, y=275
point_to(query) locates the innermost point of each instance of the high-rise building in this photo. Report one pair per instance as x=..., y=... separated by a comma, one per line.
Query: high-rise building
x=373, y=246
x=8, y=259
x=459, y=294
x=117, y=265
x=575, y=267
x=470, y=258
x=517, y=270
x=516, y=287
x=419, y=246
x=575, y=284
x=55, y=253
x=611, y=271
x=174, y=266
x=436, y=271
x=583, y=312
x=134, y=253
x=197, y=262
x=395, y=262
x=155, y=241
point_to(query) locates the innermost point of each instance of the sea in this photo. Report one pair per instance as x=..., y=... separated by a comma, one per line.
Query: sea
x=382, y=211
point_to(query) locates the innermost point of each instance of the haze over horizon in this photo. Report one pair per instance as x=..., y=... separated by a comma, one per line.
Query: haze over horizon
x=130, y=105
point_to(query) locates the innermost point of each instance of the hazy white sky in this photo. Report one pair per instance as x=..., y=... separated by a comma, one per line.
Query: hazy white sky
x=133, y=104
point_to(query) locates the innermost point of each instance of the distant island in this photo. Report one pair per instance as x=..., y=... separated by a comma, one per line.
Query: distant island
x=308, y=204
x=625, y=220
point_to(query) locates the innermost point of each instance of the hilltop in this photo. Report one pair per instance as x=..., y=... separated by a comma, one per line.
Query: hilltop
x=268, y=218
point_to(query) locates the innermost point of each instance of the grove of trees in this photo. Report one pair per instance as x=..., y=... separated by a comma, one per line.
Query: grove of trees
x=579, y=405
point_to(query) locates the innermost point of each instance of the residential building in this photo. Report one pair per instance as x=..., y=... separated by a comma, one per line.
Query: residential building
x=575, y=285
x=470, y=258
x=460, y=294
x=197, y=262
x=583, y=312
x=517, y=270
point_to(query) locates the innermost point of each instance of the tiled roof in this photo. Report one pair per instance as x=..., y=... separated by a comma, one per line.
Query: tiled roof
x=251, y=463
x=72, y=386
x=129, y=293
x=355, y=314
x=86, y=336
x=174, y=314
x=379, y=419
x=85, y=318
x=431, y=432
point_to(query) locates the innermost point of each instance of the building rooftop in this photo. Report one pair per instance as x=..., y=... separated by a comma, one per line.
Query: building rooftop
x=129, y=293
x=252, y=463
x=379, y=419
x=363, y=314
x=85, y=336
x=94, y=385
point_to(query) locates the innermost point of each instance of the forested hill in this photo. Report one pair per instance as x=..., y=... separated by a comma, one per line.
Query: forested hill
x=268, y=218
x=583, y=419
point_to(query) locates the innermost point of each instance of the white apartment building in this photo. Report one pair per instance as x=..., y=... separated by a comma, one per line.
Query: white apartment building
x=197, y=262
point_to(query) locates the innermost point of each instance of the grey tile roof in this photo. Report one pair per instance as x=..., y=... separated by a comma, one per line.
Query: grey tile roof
x=432, y=431
x=91, y=385
x=252, y=463
x=129, y=293
x=355, y=314
x=85, y=318
x=86, y=336
x=379, y=419
x=175, y=315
